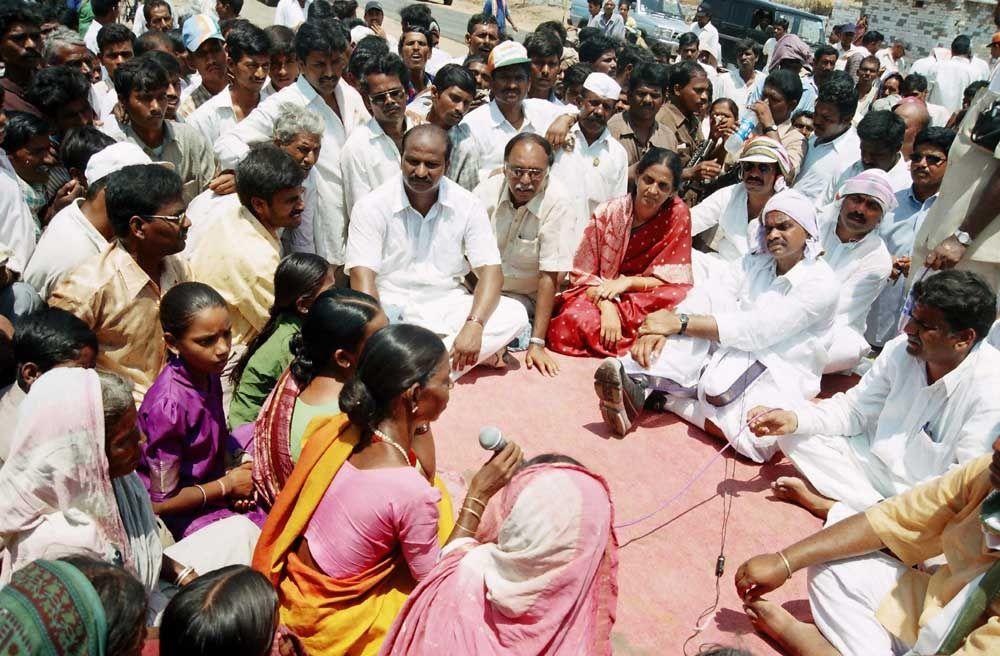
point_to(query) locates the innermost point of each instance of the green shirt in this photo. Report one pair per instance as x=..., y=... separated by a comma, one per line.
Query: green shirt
x=262, y=372
x=301, y=416
x=85, y=16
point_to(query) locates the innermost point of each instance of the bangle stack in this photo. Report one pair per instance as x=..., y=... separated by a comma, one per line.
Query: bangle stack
x=471, y=511
x=183, y=575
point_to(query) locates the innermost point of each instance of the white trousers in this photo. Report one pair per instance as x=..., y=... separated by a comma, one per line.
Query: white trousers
x=445, y=313
x=847, y=347
x=829, y=463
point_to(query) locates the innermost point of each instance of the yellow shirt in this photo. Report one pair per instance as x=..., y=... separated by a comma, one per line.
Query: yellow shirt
x=115, y=297
x=238, y=256
x=940, y=516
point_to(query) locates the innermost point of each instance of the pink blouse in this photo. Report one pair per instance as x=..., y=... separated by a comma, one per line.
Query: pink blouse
x=365, y=513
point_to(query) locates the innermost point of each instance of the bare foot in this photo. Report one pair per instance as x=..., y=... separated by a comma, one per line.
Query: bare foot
x=799, y=491
x=795, y=637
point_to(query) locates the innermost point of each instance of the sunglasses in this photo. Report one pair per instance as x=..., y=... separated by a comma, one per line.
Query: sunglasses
x=533, y=174
x=177, y=219
x=397, y=94
x=932, y=160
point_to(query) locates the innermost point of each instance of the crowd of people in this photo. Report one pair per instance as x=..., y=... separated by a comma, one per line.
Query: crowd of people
x=242, y=269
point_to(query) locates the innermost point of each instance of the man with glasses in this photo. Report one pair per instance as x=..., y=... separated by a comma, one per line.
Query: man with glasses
x=533, y=218
x=928, y=165
x=117, y=292
x=371, y=154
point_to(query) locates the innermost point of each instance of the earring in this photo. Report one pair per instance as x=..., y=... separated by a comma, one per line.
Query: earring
x=414, y=408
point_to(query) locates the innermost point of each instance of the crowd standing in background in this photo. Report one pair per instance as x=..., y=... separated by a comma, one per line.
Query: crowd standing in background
x=242, y=268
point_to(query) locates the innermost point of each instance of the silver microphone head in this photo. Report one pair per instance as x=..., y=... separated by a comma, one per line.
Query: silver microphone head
x=491, y=439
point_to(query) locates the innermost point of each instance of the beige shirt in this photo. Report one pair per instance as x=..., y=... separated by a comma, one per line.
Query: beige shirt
x=623, y=132
x=185, y=148
x=537, y=236
x=941, y=516
x=115, y=297
x=238, y=256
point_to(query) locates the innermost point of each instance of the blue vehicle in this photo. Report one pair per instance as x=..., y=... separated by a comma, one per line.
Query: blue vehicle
x=750, y=19
x=660, y=20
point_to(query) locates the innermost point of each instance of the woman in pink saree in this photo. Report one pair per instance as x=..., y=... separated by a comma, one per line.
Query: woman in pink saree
x=635, y=258
x=540, y=574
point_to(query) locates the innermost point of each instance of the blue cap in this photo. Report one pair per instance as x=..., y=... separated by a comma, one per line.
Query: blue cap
x=198, y=29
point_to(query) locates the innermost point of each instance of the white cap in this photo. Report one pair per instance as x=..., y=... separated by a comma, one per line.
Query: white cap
x=603, y=85
x=114, y=158
x=359, y=32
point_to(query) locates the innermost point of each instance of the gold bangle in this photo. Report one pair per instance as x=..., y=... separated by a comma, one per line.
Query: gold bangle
x=204, y=496
x=788, y=568
x=471, y=511
x=465, y=528
x=222, y=484
x=477, y=501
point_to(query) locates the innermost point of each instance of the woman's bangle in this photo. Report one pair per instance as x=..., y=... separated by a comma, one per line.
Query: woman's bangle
x=222, y=484
x=788, y=568
x=204, y=496
x=472, y=512
x=464, y=528
x=537, y=341
x=470, y=498
x=183, y=575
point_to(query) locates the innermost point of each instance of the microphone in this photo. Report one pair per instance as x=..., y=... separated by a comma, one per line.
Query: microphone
x=491, y=439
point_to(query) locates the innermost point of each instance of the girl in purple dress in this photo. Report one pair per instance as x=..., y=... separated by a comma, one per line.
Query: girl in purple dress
x=183, y=459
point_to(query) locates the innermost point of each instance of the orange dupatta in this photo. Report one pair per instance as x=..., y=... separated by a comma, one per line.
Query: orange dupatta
x=331, y=616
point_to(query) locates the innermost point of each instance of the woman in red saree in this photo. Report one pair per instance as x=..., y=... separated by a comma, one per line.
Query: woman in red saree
x=635, y=258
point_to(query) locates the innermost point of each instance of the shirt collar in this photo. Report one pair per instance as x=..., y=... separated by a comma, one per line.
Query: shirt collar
x=133, y=276
x=534, y=206
x=953, y=378
x=912, y=197
x=445, y=196
x=798, y=274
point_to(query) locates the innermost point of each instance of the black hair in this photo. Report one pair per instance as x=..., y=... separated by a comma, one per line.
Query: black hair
x=55, y=87
x=883, y=127
x=281, y=38
x=536, y=139
x=122, y=597
x=787, y=83
x=551, y=458
x=660, y=49
x=139, y=74
x=50, y=337
x=824, y=51
x=182, y=303
x=870, y=59
x=361, y=57
x=781, y=22
x=632, y=55
x=683, y=72
x=687, y=39
x=415, y=15
x=21, y=128
x=151, y=41
x=227, y=612
x=176, y=41
x=351, y=23
x=297, y=275
x=149, y=5
x=746, y=44
x=80, y=144
x=576, y=75
x=265, y=171
x=592, y=49
x=16, y=11
x=552, y=26
x=964, y=298
x=479, y=19
x=840, y=91
x=961, y=45
x=317, y=36
x=650, y=74
x=139, y=190
x=102, y=7
x=417, y=29
x=454, y=75
x=973, y=88
x=730, y=105
x=166, y=60
x=320, y=10
x=872, y=36
x=394, y=359
x=802, y=112
x=940, y=138
x=337, y=320
x=668, y=158
x=114, y=33
x=387, y=64
x=913, y=83
x=892, y=76
x=428, y=128
x=247, y=41
x=588, y=33
x=372, y=44
x=471, y=59
x=345, y=9
x=235, y=5
x=543, y=44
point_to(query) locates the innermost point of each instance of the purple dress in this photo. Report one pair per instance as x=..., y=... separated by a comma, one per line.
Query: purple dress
x=186, y=436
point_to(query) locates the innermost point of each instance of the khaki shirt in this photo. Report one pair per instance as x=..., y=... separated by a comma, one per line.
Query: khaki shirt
x=538, y=236
x=795, y=144
x=188, y=152
x=683, y=135
x=115, y=297
x=623, y=132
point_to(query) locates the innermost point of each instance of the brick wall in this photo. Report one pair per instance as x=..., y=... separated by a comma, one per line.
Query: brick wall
x=926, y=24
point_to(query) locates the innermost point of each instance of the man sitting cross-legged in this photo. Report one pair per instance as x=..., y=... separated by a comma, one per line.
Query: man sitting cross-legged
x=929, y=402
x=411, y=242
x=762, y=330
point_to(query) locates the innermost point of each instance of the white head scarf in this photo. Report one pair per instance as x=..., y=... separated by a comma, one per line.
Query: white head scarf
x=802, y=211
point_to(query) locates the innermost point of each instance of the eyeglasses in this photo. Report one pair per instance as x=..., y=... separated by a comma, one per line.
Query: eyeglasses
x=177, y=219
x=932, y=160
x=533, y=174
x=397, y=94
x=763, y=167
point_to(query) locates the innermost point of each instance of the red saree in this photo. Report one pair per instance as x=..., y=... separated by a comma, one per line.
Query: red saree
x=272, y=461
x=660, y=248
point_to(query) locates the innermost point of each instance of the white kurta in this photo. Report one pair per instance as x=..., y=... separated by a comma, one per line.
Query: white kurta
x=732, y=85
x=863, y=268
x=290, y=13
x=216, y=115
x=951, y=77
x=899, y=178
x=369, y=159
x=893, y=430
x=726, y=209
x=330, y=221
x=600, y=169
x=18, y=230
x=420, y=261
x=68, y=240
x=825, y=162
x=782, y=321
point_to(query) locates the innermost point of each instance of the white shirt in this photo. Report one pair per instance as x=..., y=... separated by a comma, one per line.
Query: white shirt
x=708, y=37
x=726, y=208
x=890, y=64
x=601, y=168
x=899, y=177
x=538, y=236
x=216, y=116
x=906, y=431
x=862, y=267
x=731, y=85
x=68, y=240
x=412, y=253
x=846, y=55
x=369, y=158
x=290, y=13
x=330, y=222
x=951, y=77
x=825, y=162
x=782, y=321
x=90, y=38
x=490, y=131
x=438, y=59
x=17, y=225
x=202, y=211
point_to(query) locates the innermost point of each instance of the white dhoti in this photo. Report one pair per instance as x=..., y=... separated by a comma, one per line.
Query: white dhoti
x=445, y=312
x=831, y=465
x=847, y=347
x=226, y=542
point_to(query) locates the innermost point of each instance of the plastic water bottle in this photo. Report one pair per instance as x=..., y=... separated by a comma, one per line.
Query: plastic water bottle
x=734, y=144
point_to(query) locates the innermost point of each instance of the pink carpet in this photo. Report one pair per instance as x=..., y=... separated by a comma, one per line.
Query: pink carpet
x=666, y=576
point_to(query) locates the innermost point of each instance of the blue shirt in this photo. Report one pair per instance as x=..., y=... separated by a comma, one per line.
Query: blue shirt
x=806, y=103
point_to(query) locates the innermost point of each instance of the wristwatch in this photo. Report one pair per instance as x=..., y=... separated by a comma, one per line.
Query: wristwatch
x=963, y=237
x=770, y=128
x=684, y=323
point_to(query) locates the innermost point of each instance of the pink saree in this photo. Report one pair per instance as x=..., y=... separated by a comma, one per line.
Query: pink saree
x=659, y=248
x=539, y=578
